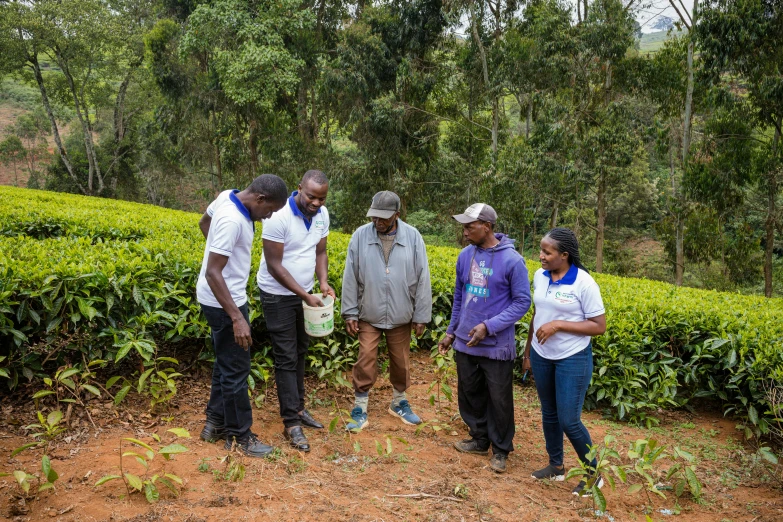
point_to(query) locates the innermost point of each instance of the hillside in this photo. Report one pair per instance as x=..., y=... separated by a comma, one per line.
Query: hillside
x=651, y=42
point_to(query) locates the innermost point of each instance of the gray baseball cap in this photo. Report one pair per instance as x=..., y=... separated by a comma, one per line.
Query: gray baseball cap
x=384, y=204
x=477, y=212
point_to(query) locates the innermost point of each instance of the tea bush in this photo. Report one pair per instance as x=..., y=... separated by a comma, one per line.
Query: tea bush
x=87, y=278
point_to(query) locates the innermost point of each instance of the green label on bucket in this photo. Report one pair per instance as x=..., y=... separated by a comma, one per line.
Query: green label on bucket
x=319, y=329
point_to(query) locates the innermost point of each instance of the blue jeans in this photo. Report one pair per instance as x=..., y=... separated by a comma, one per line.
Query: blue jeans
x=562, y=386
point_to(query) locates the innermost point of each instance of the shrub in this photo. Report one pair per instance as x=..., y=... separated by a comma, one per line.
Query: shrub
x=87, y=278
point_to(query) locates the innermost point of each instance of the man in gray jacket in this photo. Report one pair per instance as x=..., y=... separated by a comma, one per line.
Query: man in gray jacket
x=386, y=292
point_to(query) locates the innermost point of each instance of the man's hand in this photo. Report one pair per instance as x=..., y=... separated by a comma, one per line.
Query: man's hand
x=418, y=329
x=445, y=344
x=328, y=290
x=352, y=327
x=242, y=333
x=477, y=334
x=313, y=300
x=546, y=331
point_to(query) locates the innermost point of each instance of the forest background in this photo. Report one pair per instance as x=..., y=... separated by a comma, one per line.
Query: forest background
x=664, y=158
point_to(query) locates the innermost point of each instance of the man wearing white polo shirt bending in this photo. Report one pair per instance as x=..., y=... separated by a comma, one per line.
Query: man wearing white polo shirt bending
x=222, y=292
x=294, y=249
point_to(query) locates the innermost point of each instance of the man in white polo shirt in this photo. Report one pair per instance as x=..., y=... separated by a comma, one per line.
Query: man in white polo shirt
x=222, y=292
x=294, y=249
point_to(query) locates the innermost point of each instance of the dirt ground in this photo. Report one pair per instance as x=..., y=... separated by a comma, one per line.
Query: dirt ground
x=345, y=478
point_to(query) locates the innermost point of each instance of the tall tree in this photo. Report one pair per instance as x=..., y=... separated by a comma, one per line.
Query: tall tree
x=85, y=39
x=744, y=37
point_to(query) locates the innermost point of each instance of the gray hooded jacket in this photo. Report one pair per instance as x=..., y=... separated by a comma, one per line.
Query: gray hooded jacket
x=387, y=295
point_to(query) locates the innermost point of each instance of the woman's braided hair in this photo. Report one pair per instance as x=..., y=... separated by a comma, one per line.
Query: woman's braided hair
x=565, y=241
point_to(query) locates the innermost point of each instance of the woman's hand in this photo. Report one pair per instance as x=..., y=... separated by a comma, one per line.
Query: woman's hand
x=547, y=330
x=526, y=367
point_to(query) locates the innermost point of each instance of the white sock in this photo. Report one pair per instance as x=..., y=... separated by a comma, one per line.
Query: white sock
x=397, y=397
x=361, y=402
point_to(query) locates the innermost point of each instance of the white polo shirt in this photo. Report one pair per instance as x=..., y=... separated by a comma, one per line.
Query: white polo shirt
x=230, y=234
x=287, y=226
x=219, y=200
x=575, y=297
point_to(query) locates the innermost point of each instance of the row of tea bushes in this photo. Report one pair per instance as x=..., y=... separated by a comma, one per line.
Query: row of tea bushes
x=87, y=276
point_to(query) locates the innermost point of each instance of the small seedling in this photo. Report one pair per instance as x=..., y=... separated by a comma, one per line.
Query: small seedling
x=149, y=485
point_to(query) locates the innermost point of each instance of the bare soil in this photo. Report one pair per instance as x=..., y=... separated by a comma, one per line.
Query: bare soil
x=344, y=478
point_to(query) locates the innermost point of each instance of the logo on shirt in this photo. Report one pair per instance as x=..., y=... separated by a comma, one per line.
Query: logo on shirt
x=479, y=284
x=565, y=297
x=319, y=223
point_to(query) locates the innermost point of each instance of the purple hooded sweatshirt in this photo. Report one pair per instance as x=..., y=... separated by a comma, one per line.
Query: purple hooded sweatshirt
x=492, y=287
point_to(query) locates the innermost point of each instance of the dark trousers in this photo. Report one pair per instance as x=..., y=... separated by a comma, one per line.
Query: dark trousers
x=285, y=321
x=562, y=386
x=486, y=400
x=229, y=404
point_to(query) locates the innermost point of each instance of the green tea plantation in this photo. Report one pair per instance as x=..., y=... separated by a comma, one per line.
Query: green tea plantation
x=87, y=280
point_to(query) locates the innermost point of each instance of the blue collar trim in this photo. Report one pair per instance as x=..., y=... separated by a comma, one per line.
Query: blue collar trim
x=568, y=279
x=241, y=206
x=295, y=209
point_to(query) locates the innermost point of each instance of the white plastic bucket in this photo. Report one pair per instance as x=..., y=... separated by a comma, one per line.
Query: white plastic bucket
x=319, y=320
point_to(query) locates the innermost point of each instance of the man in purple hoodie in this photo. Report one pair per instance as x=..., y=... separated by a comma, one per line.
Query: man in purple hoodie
x=491, y=293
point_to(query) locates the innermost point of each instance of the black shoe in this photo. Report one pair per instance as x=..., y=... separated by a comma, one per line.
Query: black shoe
x=550, y=473
x=309, y=421
x=471, y=446
x=297, y=438
x=498, y=462
x=212, y=432
x=250, y=446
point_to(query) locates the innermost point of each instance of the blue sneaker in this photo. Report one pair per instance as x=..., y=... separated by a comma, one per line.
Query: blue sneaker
x=359, y=418
x=404, y=412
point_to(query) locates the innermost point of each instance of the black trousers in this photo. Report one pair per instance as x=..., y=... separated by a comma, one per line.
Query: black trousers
x=285, y=321
x=229, y=404
x=486, y=400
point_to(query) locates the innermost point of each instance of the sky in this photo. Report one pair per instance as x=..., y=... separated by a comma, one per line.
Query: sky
x=647, y=12
x=650, y=10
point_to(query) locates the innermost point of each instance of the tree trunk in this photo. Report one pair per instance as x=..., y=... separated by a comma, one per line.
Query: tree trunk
x=584, y=10
x=301, y=111
x=314, y=115
x=769, y=224
x=495, y=126
x=119, y=122
x=253, y=150
x=94, y=169
x=533, y=234
x=553, y=217
x=33, y=59
x=599, y=232
x=679, y=240
x=529, y=119
x=678, y=211
x=686, y=123
x=485, y=70
x=608, y=84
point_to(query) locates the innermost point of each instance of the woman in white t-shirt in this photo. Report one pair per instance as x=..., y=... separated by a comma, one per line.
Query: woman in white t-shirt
x=568, y=312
